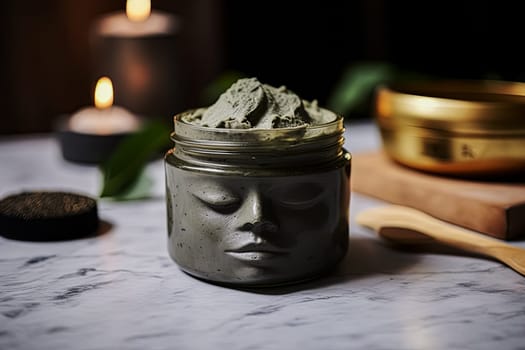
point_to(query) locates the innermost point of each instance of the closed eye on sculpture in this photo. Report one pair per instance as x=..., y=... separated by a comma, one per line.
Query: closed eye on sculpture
x=298, y=196
x=220, y=201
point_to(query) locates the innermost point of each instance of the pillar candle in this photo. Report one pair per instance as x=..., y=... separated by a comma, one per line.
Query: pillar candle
x=139, y=50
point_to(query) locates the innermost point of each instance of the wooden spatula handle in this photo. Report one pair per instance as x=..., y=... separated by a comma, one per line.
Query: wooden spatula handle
x=411, y=219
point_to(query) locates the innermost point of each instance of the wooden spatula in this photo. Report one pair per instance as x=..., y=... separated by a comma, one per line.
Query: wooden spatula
x=406, y=225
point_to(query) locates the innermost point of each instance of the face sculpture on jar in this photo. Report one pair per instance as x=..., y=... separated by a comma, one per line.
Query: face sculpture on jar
x=243, y=215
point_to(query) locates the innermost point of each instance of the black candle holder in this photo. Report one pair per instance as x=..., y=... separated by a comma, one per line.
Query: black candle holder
x=86, y=148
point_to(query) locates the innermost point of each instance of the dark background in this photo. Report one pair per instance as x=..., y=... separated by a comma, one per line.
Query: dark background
x=46, y=67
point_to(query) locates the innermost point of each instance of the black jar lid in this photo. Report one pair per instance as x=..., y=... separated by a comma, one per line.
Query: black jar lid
x=48, y=216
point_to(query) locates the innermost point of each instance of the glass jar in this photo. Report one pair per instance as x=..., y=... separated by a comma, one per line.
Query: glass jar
x=257, y=207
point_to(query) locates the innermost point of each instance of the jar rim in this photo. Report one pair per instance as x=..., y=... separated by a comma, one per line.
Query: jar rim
x=184, y=130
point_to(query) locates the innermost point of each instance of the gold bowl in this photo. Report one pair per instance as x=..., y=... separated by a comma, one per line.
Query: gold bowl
x=464, y=128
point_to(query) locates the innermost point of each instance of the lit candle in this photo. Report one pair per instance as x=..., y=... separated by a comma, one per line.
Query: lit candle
x=138, y=49
x=104, y=118
x=93, y=133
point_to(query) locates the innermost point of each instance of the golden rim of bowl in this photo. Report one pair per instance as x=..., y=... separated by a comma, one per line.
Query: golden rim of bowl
x=484, y=107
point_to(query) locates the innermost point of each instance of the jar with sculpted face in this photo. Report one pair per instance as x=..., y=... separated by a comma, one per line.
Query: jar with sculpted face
x=257, y=207
x=257, y=188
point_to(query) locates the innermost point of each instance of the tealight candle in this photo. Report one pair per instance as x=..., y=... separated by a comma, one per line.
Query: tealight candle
x=104, y=118
x=138, y=49
x=91, y=134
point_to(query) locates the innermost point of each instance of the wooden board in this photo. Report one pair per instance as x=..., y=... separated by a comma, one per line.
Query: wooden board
x=493, y=208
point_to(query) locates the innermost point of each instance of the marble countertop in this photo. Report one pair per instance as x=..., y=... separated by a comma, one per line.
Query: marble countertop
x=121, y=290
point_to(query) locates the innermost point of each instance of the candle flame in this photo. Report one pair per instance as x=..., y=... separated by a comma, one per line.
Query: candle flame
x=104, y=93
x=138, y=10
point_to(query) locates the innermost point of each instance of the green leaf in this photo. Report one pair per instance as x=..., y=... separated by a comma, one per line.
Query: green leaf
x=355, y=91
x=123, y=168
x=357, y=85
x=139, y=189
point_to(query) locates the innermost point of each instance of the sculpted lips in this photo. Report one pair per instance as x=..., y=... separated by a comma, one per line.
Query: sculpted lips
x=255, y=252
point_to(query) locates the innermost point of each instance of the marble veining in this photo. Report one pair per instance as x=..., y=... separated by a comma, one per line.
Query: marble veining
x=120, y=290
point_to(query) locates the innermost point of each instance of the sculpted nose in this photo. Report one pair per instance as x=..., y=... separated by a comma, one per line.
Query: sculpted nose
x=261, y=227
x=256, y=207
x=257, y=216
